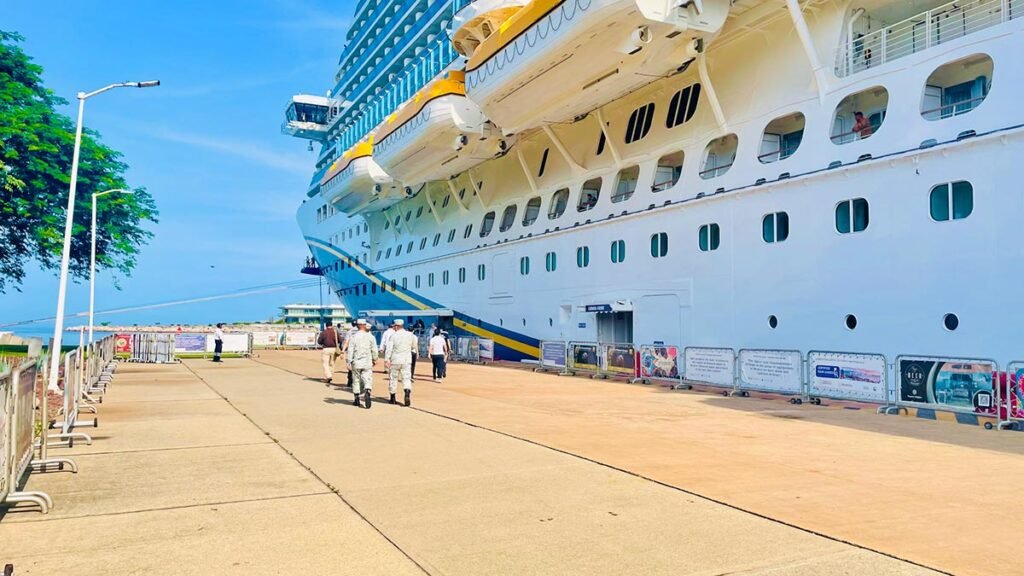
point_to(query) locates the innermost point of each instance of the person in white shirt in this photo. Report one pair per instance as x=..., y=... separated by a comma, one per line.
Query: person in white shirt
x=385, y=339
x=218, y=341
x=398, y=359
x=439, y=350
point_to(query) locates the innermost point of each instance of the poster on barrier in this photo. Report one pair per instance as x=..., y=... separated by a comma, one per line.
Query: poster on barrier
x=486, y=349
x=847, y=376
x=710, y=365
x=462, y=348
x=771, y=370
x=266, y=339
x=186, y=343
x=584, y=356
x=1015, y=389
x=123, y=344
x=302, y=339
x=620, y=359
x=947, y=384
x=232, y=343
x=659, y=362
x=552, y=354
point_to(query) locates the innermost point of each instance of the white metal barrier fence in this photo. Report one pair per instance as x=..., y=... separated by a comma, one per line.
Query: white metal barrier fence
x=658, y=362
x=152, y=348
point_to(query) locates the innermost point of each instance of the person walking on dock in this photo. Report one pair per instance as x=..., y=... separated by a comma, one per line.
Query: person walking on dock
x=361, y=353
x=352, y=331
x=438, y=347
x=385, y=339
x=330, y=342
x=398, y=359
x=218, y=341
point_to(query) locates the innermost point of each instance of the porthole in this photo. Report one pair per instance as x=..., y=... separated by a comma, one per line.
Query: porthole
x=524, y=322
x=773, y=322
x=551, y=321
x=951, y=322
x=851, y=322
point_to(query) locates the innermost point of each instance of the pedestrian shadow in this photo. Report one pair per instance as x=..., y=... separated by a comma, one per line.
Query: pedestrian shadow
x=329, y=400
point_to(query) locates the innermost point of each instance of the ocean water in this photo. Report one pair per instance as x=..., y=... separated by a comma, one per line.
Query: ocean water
x=45, y=332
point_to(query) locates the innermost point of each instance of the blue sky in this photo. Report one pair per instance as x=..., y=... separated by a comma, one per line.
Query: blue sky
x=206, y=144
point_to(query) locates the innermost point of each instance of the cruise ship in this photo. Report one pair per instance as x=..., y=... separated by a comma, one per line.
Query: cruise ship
x=776, y=174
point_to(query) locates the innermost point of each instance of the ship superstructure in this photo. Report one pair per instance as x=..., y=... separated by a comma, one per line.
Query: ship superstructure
x=750, y=174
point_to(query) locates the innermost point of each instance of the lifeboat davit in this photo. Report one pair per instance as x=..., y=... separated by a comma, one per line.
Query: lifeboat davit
x=355, y=183
x=436, y=134
x=555, y=60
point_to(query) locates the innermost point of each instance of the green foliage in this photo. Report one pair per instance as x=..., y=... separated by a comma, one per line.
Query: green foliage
x=36, y=147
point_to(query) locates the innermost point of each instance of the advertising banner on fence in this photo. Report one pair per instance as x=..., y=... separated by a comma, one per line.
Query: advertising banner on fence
x=486, y=349
x=710, y=365
x=659, y=362
x=123, y=344
x=190, y=343
x=552, y=354
x=847, y=376
x=584, y=356
x=1016, y=392
x=302, y=339
x=771, y=370
x=266, y=339
x=958, y=385
x=233, y=343
x=620, y=359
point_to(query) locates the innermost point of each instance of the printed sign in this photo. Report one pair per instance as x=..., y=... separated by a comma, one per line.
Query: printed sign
x=847, y=376
x=302, y=339
x=957, y=385
x=266, y=339
x=190, y=343
x=620, y=359
x=123, y=344
x=552, y=354
x=232, y=343
x=1016, y=392
x=771, y=370
x=709, y=365
x=584, y=356
x=598, y=307
x=486, y=349
x=659, y=362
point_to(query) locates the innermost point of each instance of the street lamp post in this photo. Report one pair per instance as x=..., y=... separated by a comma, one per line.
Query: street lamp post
x=92, y=257
x=58, y=327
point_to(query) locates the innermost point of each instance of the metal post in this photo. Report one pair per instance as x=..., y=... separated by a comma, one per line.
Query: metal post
x=92, y=269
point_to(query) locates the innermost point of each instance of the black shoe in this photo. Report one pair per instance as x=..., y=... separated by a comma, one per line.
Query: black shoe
x=393, y=400
x=356, y=401
x=366, y=399
x=408, y=397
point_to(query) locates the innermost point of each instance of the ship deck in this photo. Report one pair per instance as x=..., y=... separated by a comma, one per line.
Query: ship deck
x=255, y=467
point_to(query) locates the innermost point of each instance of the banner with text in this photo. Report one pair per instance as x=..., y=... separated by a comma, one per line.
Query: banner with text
x=486, y=349
x=233, y=343
x=772, y=370
x=552, y=354
x=710, y=365
x=958, y=385
x=659, y=362
x=266, y=339
x=123, y=344
x=847, y=376
x=190, y=343
x=300, y=339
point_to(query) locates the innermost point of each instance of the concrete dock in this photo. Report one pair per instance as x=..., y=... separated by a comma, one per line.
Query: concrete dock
x=256, y=467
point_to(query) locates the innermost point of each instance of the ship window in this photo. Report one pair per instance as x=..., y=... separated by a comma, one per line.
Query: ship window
x=508, y=218
x=639, y=123
x=682, y=106
x=481, y=272
x=952, y=201
x=532, y=211
x=775, y=227
x=408, y=215
x=419, y=211
x=462, y=194
x=485, y=225
x=659, y=245
x=589, y=194
x=462, y=275
x=781, y=138
x=719, y=156
x=405, y=282
x=373, y=288
x=444, y=277
x=859, y=115
x=417, y=281
x=550, y=261
x=364, y=289
x=388, y=255
x=618, y=251
x=469, y=228
x=387, y=224
x=625, y=183
x=600, y=144
x=957, y=87
x=852, y=216
x=851, y=321
x=451, y=235
x=666, y=175
x=398, y=251
x=430, y=280
x=583, y=257
x=437, y=239
x=543, y=162
x=950, y=322
x=409, y=247
x=378, y=256
x=444, y=204
x=709, y=237
x=524, y=266
x=558, y=203
x=423, y=242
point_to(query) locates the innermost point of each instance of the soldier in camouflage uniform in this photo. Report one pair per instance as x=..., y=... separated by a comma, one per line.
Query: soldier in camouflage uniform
x=360, y=354
x=398, y=359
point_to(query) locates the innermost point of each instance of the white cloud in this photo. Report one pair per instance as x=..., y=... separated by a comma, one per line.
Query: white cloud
x=285, y=162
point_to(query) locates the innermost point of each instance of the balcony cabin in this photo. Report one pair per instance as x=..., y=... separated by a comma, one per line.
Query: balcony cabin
x=589, y=195
x=881, y=31
x=869, y=104
x=957, y=87
x=478, y=20
x=781, y=138
x=308, y=116
x=625, y=183
x=719, y=156
x=668, y=171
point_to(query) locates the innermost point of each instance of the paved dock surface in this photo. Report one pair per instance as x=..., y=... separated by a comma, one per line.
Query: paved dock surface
x=255, y=467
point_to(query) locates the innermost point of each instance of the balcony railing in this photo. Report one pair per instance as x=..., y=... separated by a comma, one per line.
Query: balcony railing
x=922, y=31
x=715, y=172
x=952, y=109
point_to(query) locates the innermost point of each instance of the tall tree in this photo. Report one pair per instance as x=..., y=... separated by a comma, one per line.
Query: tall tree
x=36, y=146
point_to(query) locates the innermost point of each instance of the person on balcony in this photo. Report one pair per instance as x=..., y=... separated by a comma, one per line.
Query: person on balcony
x=861, y=126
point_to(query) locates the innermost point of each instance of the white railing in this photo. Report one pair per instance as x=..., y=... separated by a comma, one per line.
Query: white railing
x=939, y=25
